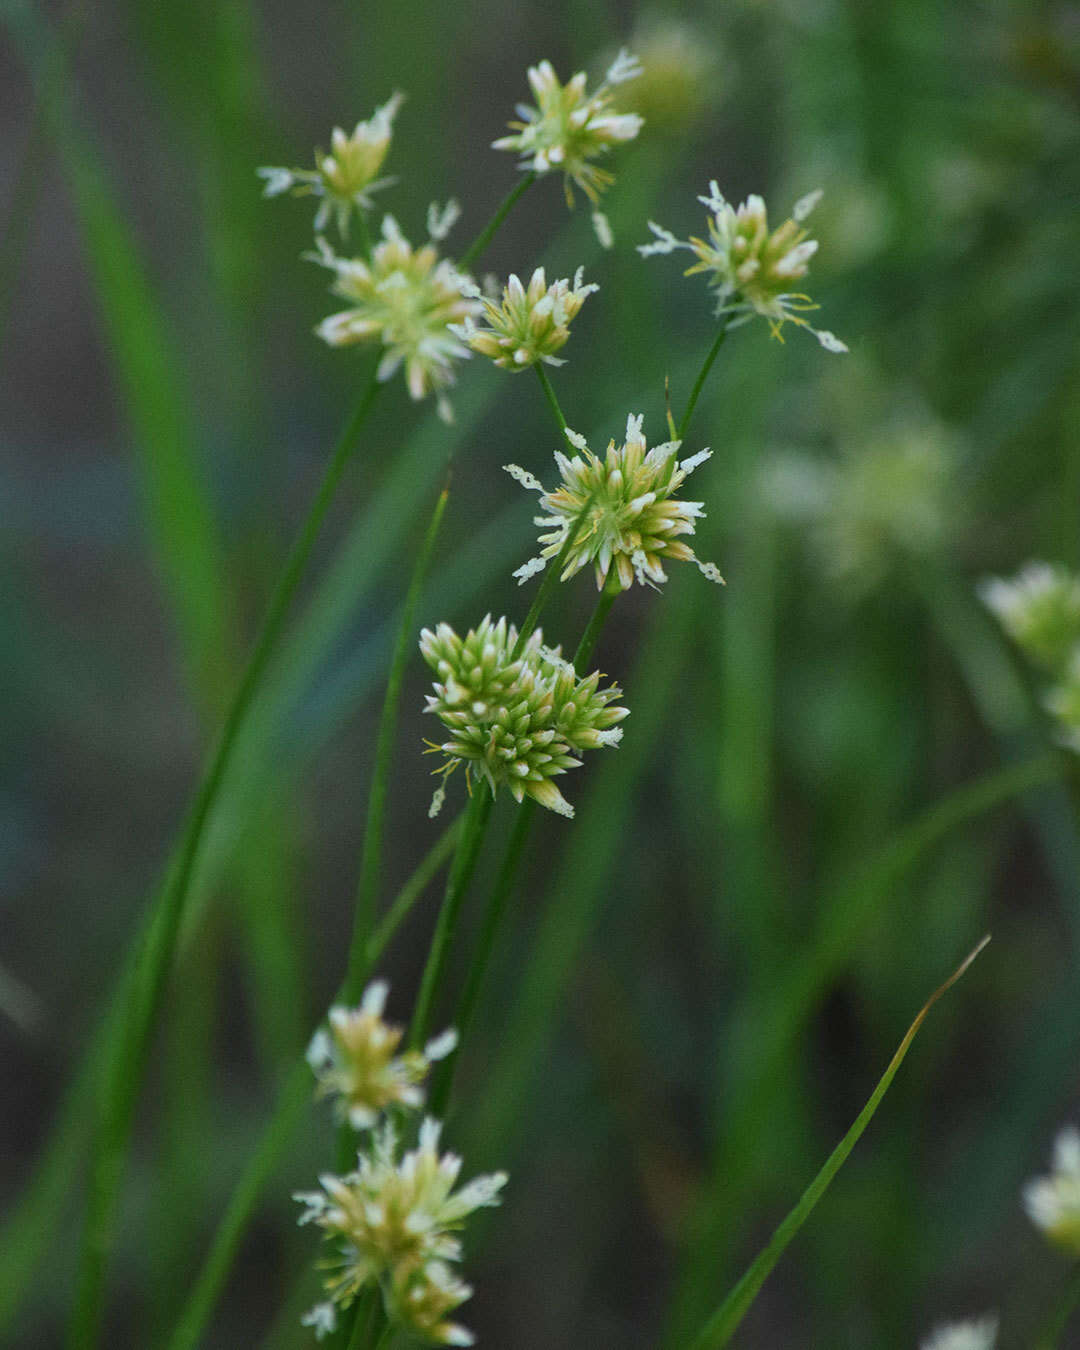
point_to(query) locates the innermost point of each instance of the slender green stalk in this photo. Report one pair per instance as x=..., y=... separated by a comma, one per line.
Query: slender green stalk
x=723, y=1324
x=477, y=815
x=480, y=243
x=1050, y=1336
x=371, y=852
x=699, y=383
x=552, y=577
x=553, y=402
x=289, y=1110
x=128, y=1055
x=591, y=635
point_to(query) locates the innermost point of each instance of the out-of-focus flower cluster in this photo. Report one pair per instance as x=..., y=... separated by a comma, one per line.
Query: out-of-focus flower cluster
x=407, y=299
x=515, y=718
x=344, y=179
x=751, y=269
x=530, y=323
x=393, y=1221
x=621, y=511
x=1040, y=610
x=569, y=127
x=354, y=1060
x=975, y=1335
x=1053, y=1202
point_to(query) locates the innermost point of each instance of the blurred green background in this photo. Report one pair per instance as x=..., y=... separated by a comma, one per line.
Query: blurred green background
x=709, y=968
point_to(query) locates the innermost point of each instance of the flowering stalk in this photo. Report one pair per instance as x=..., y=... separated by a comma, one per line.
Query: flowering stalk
x=699, y=383
x=1050, y=1336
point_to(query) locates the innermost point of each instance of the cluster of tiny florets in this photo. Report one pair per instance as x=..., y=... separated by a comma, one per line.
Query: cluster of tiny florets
x=752, y=270
x=354, y=1060
x=345, y=178
x=569, y=127
x=621, y=511
x=407, y=299
x=393, y=1221
x=1040, y=610
x=516, y=718
x=1053, y=1202
x=530, y=323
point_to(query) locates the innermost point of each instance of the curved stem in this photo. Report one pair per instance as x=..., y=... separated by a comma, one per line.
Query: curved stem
x=501, y=212
x=127, y=1055
x=553, y=402
x=699, y=383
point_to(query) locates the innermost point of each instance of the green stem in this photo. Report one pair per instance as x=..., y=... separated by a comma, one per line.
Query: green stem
x=289, y=1110
x=1052, y=1332
x=501, y=212
x=457, y=883
x=127, y=1057
x=723, y=1324
x=699, y=383
x=591, y=635
x=371, y=852
x=553, y=402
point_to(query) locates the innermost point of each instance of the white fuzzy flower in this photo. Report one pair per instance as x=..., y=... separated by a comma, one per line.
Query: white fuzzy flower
x=1039, y=608
x=1053, y=1202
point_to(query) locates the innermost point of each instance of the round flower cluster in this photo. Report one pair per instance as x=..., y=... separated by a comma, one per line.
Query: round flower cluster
x=530, y=324
x=345, y=178
x=406, y=299
x=752, y=270
x=515, y=718
x=1053, y=1202
x=569, y=127
x=393, y=1221
x=621, y=511
x=354, y=1060
x=1039, y=609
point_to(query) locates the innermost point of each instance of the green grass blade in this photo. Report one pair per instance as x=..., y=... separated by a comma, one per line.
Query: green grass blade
x=720, y=1328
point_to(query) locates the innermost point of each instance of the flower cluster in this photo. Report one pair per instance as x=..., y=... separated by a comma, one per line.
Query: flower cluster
x=393, y=1221
x=1053, y=1202
x=517, y=718
x=1040, y=610
x=621, y=511
x=530, y=323
x=979, y=1335
x=354, y=1060
x=345, y=178
x=752, y=270
x=407, y=299
x=569, y=127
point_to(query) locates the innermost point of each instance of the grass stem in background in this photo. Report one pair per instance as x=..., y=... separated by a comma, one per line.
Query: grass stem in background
x=1050, y=1336
x=480, y=243
x=553, y=402
x=699, y=383
x=720, y=1328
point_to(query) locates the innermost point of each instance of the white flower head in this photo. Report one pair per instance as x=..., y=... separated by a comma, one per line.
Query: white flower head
x=751, y=269
x=622, y=511
x=1039, y=608
x=344, y=179
x=395, y=1220
x=411, y=301
x=528, y=323
x=569, y=127
x=515, y=720
x=1053, y=1202
x=974, y=1335
x=354, y=1060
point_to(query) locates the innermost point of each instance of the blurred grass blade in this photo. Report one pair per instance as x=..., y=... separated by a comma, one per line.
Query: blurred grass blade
x=720, y=1328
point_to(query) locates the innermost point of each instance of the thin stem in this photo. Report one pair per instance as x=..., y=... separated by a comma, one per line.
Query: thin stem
x=552, y=577
x=289, y=1110
x=1052, y=1332
x=549, y=394
x=699, y=383
x=723, y=1324
x=127, y=1057
x=501, y=212
x=593, y=629
x=371, y=852
x=457, y=883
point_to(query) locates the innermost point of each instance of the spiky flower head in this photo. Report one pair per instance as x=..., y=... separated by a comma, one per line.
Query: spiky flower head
x=354, y=1060
x=1039, y=608
x=407, y=299
x=345, y=178
x=752, y=270
x=393, y=1218
x=622, y=511
x=975, y=1335
x=423, y=1301
x=569, y=127
x=515, y=718
x=531, y=323
x=1053, y=1202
